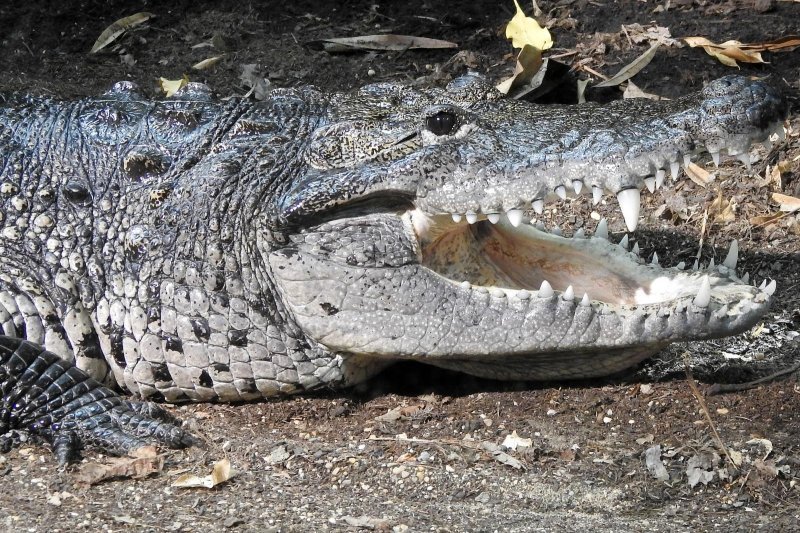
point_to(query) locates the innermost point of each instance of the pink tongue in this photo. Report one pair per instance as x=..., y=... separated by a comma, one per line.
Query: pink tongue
x=525, y=263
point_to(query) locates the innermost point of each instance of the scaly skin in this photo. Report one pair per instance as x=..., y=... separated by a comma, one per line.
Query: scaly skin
x=202, y=249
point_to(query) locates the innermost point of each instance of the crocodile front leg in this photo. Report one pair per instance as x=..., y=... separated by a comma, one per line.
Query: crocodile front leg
x=52, y=399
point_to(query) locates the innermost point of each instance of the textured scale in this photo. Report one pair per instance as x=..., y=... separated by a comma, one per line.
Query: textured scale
x=203, y=249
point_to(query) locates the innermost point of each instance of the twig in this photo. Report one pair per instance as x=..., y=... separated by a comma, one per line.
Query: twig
x=704, y=408
x=719, y=388
x=702, y=236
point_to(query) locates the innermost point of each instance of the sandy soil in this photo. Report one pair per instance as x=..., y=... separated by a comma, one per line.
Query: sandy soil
x=420, y=449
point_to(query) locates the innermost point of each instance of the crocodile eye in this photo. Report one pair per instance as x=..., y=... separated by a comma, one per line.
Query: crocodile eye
x=441, y=123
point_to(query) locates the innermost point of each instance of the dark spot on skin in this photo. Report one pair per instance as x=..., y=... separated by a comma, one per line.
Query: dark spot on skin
x=246, y=385
x=115, y=339
x=220, y=300
x=200, y=328
x=161, y=372
x=77, y=193
x=329, y=308
x=237, y=337
x=91, y=346
x=220, y=367
x=173, y=343
x=205, y=379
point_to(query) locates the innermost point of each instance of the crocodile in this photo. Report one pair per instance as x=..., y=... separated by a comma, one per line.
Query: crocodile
x=204, y=249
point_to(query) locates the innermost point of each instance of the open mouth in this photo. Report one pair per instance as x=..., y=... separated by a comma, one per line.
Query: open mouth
x=523, y=261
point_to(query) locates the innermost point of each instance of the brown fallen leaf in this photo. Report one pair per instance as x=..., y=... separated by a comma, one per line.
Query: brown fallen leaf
x=764, y=220
x=220, y=472
x=209, y=62
x=789, y=204
x=633, y=91
x=729, y=52
x=529, y=61
x=379, y=42
x=699, y=175
x=632, y=68
x=141, y=463
x=111, y=33
x=722, y=210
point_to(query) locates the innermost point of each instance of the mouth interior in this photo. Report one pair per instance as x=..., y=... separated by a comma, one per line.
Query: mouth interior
x=516, y=258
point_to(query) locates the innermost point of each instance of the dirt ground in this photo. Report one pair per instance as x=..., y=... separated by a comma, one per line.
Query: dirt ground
x=421, y=449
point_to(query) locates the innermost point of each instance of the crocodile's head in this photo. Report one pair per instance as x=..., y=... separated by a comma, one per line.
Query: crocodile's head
x=410, y=233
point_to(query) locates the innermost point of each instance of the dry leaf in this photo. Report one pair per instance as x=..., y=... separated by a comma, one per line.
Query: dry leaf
x=722, y=210
x=529, y=61
x=633, y=91
x=514, y=441
x=729, y=52
x=763, y=220
x=659, y=34
x=141, y=463
x=380, y=42
x=699, y=175
x=220, y=473
x=789, y=204
x=170, y=87
x=524, y=30
x=631, y=69
x=119, y=27
x=210, y=62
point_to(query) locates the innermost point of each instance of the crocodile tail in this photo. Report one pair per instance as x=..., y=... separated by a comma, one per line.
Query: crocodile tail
x=52, y=399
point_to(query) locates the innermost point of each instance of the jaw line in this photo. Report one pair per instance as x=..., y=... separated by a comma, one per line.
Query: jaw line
x=518, y=259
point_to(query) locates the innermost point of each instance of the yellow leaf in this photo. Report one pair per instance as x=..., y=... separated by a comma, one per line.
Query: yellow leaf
x=117, y=28
x=529, y=61
x=170, y=87
x=729, y=52
x=220, y=473
x=209, y=62
x=524, y=30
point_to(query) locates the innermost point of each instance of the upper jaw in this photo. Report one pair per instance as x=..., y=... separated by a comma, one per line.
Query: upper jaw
x=620, y=149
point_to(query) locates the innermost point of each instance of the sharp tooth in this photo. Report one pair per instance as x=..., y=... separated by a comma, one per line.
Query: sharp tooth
x=569, y=294
x=763, y=284
x=471, y=217
x=494, y=218
x=696, y=265
x=770, y=289
x=745, y=159
x=624, y=242
x=556, y=231
x=577, y=185
x=597, y=194
x=456, y=218
x=635, y=248
x=686, y=160
x=514, y=216
x=579, y=234
x=715, y=158
x=660, y=175
x=538, y=206
x=674, y=168
x=746, y=278
x=466, y=284
x=704, y=294
x=629, y=202
x=585, y=302
x=545, y=291
x=780, y=131
x=497, y=292
x=655, y=259
x=602, y=229
x=561, y=191
x=681, y=265
x=733, y=255
x=723, y=311
x=711, y=264
x=650, y=182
